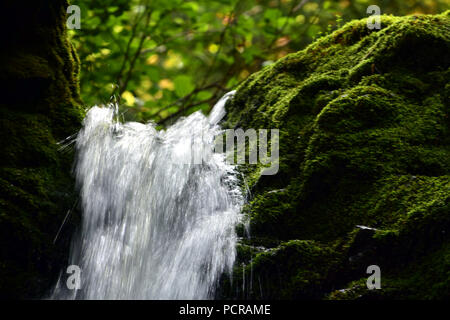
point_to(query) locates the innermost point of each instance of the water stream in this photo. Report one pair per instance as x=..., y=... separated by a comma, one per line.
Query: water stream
x=155, y=224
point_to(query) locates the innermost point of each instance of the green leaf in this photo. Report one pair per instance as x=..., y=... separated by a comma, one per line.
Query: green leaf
x=183, y=85
x=153, y=73
x=272, y=14
x=203, y=95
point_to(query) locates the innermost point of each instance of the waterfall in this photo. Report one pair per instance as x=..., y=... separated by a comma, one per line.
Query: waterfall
x=155, y=225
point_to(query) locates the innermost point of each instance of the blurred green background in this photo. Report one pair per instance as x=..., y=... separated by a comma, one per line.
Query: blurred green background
x=163, y=59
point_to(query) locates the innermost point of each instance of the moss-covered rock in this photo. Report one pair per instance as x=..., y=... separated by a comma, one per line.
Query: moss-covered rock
x=39, y=106
x=364, y=141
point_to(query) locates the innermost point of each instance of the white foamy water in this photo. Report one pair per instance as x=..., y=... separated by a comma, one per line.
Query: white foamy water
x=154, y=224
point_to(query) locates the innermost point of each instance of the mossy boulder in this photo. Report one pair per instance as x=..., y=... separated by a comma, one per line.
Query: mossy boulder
x=364, y=174
x=39, y=106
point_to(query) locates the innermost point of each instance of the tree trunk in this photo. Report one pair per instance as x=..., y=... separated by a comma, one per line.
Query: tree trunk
x=39, y=106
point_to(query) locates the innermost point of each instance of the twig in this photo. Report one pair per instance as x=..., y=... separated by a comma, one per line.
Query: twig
x=136, y=55
x=280, y=31
x=186, y=97
x=194, y=104
x=127, y=51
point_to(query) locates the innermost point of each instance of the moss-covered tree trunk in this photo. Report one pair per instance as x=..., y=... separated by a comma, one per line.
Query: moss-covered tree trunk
x=39, y=106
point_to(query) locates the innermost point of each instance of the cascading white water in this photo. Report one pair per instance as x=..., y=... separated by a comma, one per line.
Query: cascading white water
x=155, y=225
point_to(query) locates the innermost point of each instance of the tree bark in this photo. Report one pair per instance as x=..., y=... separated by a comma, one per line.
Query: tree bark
x=39, y=106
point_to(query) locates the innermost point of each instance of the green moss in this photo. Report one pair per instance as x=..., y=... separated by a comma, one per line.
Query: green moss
x=293, y=269
x=364, y=140
x=40, y=105
x=428, y=278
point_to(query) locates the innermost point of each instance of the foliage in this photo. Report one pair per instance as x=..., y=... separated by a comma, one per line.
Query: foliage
x=164, y=59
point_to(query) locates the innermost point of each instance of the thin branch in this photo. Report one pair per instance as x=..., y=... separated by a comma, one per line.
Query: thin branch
x=181, y=111
x=280, y=31
x=136, y=55
x=186, y=97
x=127, y=51
x=221, y=41
x=209, y=71
x=177, y=37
